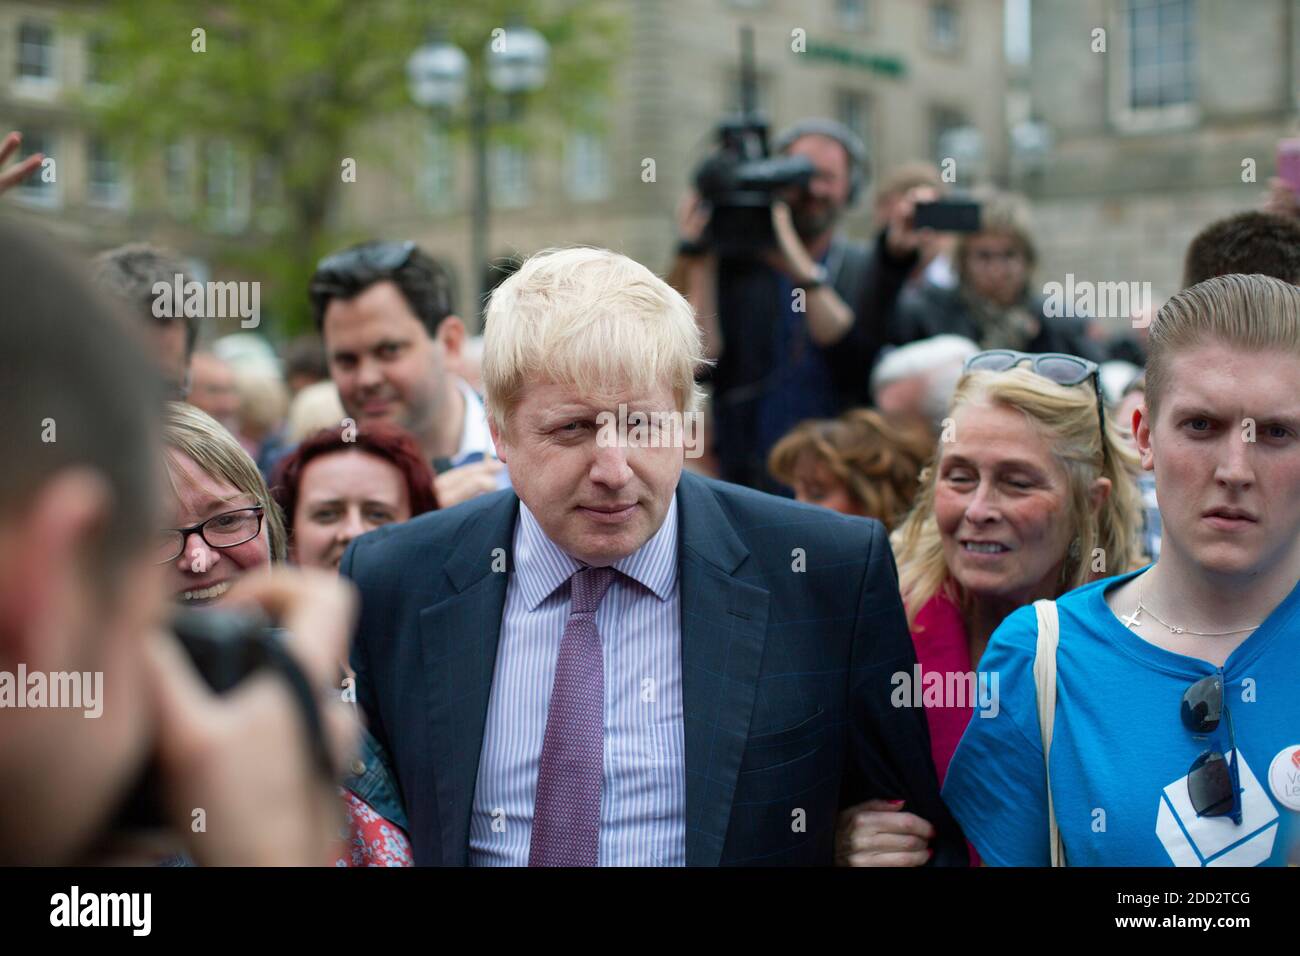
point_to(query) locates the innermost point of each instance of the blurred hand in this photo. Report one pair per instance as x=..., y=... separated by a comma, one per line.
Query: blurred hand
x=1282, y=199
x=794, y=257
x=879, y=833
x=466, y=482
x=692, y=217
x=243, y=757
x=13, y=176
x=901, y=237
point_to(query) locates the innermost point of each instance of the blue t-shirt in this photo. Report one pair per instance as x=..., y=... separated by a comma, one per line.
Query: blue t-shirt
x=1120, y=751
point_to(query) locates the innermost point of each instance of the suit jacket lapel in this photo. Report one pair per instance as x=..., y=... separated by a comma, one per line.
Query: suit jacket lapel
x=459, y=638
x=724, y=623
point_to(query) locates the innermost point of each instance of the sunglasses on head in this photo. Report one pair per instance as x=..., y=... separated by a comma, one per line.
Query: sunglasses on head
x=1213, y=784
x=370, y=257
x=1057, y=367
x=343, y=271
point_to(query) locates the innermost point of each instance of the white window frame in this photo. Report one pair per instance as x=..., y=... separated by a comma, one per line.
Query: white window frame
x=119, y=194
x=436, y=175
x=181, y=204
x=45, y=195
x=932, y=40
x=1127, y=118
x=867, y=104
x=88, y=57
x=587, y=165
x=856, y=21
x=511, y=159
x=35, y=87
x=228, y=161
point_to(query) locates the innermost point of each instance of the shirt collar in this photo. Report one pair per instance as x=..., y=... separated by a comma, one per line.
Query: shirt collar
x=541, y=565
x=474, y=432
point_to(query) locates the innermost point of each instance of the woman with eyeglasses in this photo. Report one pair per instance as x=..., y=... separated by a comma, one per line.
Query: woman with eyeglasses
x=1031, y=494
x=994, y=302
x=226, y=524
x=1175, y=739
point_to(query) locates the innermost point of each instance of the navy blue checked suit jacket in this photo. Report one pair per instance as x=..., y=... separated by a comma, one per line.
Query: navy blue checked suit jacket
x=785, y=673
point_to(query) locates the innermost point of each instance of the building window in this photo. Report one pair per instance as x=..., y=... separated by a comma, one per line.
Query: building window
x=96, y=60
x=178, y=178
x=509, y=172
x=851, y=14
x=587, y=165
x=104, y=186
x=854, y=111
x=945, y=25
x=436, y=178
x=227, y=188
x=35, y=189
x=1161, y=54
x=943, y=119
x=35, y=52
x=266, y=194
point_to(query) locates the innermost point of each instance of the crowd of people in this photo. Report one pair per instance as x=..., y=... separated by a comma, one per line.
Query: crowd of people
x=1069, y=631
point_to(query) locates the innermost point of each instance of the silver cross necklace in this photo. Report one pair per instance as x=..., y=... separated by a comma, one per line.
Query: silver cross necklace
x=1131, y=622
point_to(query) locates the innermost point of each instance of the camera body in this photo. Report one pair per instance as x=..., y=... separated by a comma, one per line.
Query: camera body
x=740, y=179
x=739, y=182
x=225, y=647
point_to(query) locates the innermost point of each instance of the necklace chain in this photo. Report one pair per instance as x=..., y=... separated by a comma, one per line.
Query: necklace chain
x=1134, y=622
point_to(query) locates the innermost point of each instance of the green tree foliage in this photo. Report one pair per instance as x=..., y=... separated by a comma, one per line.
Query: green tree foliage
x=297, y=86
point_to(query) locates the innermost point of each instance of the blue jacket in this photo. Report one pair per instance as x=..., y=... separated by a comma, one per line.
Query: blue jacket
x=786, y=673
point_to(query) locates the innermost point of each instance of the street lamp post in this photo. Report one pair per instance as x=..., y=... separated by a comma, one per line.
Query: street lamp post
x=438, y=72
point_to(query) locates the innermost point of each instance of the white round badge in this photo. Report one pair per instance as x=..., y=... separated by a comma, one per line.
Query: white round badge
x=1284, y=777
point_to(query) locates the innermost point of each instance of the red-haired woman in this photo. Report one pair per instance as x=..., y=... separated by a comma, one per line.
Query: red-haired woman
x=342, y=482
x=338, y=484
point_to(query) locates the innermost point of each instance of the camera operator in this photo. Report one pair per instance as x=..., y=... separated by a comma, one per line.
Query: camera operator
x=794, y=328
x=82, y=604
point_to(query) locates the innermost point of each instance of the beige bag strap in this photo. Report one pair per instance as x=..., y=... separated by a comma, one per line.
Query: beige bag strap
x=1049, y=632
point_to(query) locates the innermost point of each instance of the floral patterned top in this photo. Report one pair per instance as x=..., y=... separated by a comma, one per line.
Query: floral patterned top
x=370, y=840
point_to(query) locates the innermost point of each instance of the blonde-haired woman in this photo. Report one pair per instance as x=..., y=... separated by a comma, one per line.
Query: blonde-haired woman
x=1032, y=493
x=226, y=522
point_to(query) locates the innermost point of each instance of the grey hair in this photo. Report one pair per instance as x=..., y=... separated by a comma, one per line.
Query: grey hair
x=939, y=359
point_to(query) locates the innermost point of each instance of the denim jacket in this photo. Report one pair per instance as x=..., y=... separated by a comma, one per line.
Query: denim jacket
x=371, y=778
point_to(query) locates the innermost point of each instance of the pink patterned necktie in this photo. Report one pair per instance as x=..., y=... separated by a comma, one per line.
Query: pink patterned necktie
x=566, y=816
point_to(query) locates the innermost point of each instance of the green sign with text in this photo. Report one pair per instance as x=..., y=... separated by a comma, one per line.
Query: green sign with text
x=872, y=62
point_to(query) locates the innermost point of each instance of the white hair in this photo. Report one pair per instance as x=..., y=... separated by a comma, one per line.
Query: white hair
x=592, y=319
x=939, y=360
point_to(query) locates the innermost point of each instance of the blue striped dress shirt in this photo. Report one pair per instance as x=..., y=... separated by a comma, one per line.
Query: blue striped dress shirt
x=643, y=801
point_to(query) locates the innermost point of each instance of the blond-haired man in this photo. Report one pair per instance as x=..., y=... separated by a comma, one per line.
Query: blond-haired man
x=1177, y=725
x=617, y=663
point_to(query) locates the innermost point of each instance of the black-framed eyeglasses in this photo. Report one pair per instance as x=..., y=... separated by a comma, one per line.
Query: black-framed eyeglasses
x=1058, y=367
x=1213, y=783
x=220, y=531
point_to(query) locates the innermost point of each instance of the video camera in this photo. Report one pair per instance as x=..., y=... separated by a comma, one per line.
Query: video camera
x=741, y=177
